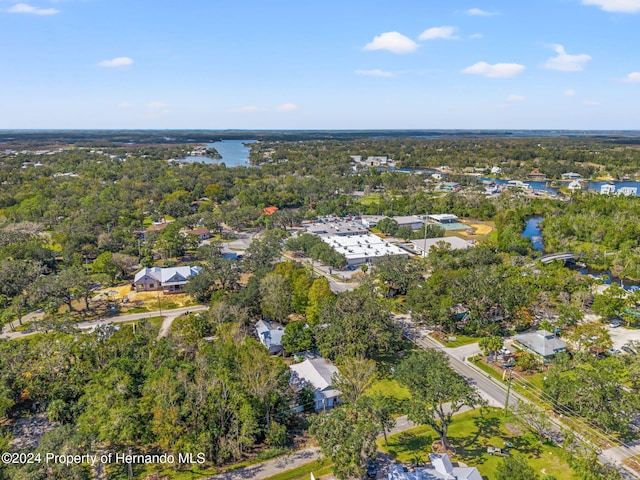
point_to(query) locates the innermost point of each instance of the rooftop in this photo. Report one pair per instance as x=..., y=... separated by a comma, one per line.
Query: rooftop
x=542, y=342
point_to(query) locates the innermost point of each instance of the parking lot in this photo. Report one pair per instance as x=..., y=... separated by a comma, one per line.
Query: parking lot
x=622, y=336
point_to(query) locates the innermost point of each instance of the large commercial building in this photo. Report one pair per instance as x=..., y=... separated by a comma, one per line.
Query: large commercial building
x=359, y=249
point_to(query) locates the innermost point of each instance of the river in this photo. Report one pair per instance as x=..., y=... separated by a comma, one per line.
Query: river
x=234, y=153
x=533, y=232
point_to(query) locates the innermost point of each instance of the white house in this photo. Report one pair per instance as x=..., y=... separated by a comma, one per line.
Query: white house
x=318, y=373
x=169, y=280
x=575, y=185
x=270, y=335
x=441, y=469
x=628, y=191
x=607, y=189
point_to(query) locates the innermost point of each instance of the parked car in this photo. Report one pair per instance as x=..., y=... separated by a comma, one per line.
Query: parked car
x=372, y=469
x=503, y=452
x=615, y=323
x=629, y=350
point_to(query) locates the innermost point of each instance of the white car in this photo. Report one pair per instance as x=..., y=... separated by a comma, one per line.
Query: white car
x=614, y=324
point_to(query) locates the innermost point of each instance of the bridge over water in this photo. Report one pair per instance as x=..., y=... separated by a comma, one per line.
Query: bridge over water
x=551, y=257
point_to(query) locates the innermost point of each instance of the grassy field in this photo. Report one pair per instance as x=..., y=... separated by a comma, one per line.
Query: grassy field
x=458, y=342
x=471, y=433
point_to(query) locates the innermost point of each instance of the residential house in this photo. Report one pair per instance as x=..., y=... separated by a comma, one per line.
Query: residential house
x=168, y=280
x=268, y=211
x=542, y=343
x=537, y=175
x=270, y=335
x=201, y=232
x=607, y=189
x=441, y=469
x=628, y=191
x=574, y=185
x=317, y=373
x=571, y=176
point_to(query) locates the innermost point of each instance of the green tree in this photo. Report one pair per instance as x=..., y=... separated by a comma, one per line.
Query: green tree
x=357, y=325
x=387, y=225
x=437, y=396
x=275, y=297
x=347, y=436
x=491, y=344
x=397, y=274
x=320, y=296
x=515, y=468
x=354, y=378
x=298, y=337
x=534, y=419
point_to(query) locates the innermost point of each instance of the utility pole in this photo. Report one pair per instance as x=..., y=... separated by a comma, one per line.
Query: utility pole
x=424, y=227
x=506, y=401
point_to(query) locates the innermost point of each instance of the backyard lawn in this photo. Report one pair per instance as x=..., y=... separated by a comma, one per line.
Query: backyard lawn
x=471, y=433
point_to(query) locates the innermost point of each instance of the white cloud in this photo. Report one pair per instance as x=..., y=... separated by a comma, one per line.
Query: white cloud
x=245, y=109
x=116, y=62
x=445, y=33
x=570, y=92
x=515, y=98
x=479, y=12
x=632, y=77
x=393, y=42
x=565, y=62
x=591, y=103
x=156, y=105
x=287, y=107
x=476, y=35
x=624, y=6
x=26, y=8
x=497, y=70
x=375, y=73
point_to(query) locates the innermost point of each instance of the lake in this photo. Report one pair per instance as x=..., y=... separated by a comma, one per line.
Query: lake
x=234, y=153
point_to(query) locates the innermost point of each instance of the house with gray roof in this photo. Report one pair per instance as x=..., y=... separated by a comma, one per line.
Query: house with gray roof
x=543, y=343
x=441, y=469
x=318, y=374
x=270, y=335
x=168, y=280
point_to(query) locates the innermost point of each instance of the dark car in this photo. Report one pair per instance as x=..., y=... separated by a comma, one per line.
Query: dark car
x=372, y=469
x=628, y=350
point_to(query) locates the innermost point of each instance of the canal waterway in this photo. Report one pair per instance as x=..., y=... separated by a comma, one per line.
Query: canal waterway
x=533, y=231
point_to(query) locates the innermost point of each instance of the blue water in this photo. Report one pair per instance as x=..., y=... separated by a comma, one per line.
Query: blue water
x=533, y=232
x=234, y=153
x=591, y=186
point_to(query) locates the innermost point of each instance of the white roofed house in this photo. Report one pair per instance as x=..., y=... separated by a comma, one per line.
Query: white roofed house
x=441, y=469
x=270, y=335
x=169, y=280
x=318, y=374
x=544, y=344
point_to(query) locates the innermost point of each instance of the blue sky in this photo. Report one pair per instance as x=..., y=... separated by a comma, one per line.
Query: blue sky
x=350, y=64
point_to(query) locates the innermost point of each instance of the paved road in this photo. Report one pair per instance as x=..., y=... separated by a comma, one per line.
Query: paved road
x=495, y=393
x=169, y=315
x=297, y=459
